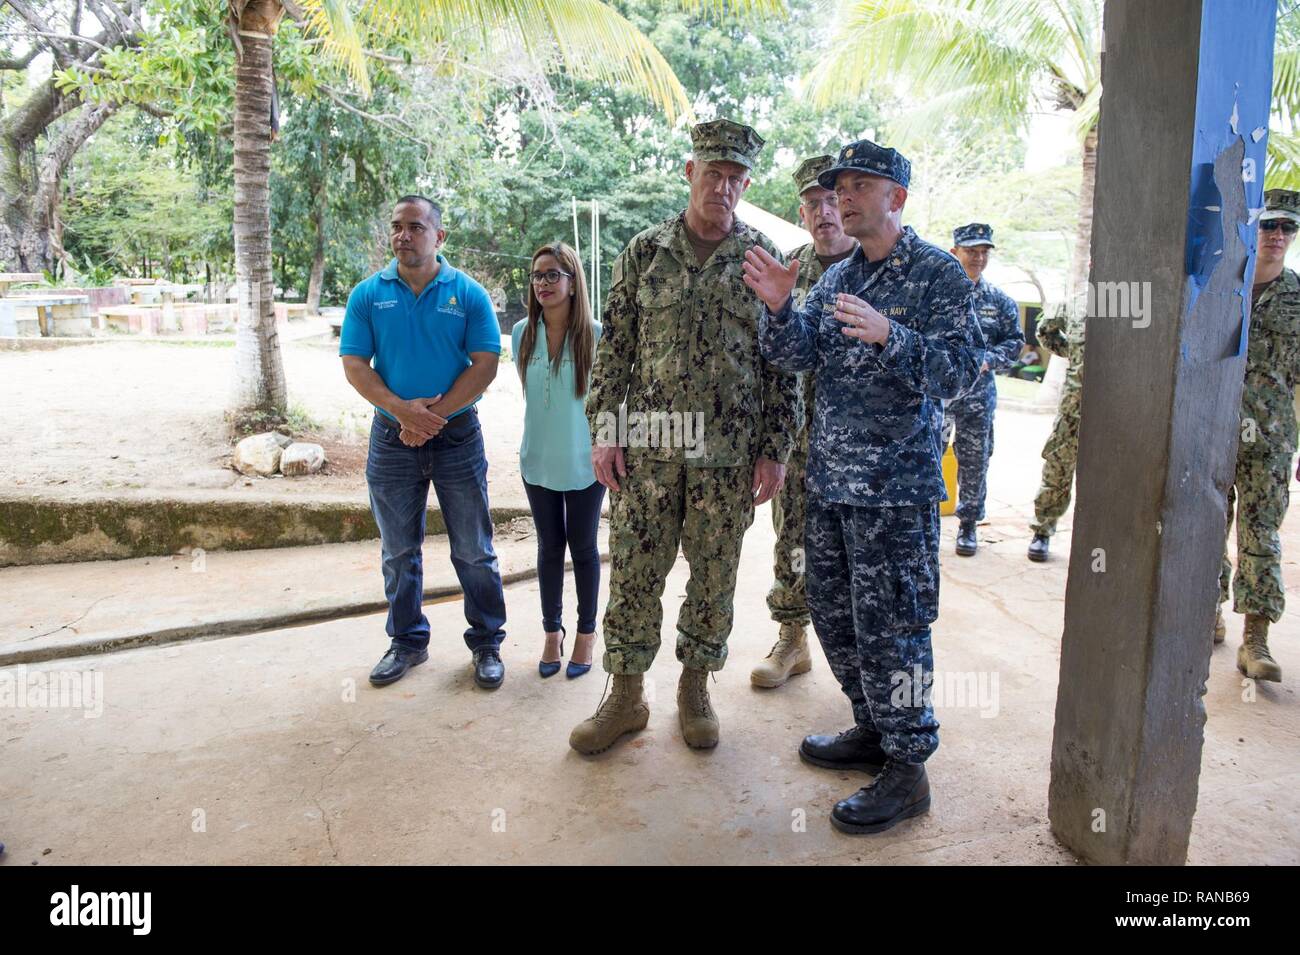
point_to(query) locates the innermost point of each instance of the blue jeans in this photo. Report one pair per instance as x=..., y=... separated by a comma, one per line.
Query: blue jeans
x=399, y=479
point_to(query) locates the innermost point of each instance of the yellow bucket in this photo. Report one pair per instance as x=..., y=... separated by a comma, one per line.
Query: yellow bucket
x=949, y=481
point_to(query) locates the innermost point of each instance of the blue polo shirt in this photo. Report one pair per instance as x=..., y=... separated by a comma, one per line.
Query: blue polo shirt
x=420, y=345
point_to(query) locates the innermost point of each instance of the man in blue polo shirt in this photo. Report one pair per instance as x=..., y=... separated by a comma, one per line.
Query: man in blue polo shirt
x=435, y=342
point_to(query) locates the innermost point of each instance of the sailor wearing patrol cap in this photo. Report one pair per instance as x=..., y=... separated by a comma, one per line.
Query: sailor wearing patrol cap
x=969, y=417
x=889, y=333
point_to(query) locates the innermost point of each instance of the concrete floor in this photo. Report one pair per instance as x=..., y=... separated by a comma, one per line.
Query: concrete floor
x=275, y=747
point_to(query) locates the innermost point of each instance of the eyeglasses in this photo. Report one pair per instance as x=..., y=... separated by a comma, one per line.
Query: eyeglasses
x=1286, y=225
x=812, y=204
x=549, y=277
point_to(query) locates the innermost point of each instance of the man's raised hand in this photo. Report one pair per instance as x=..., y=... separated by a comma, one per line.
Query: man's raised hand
x=771, y=281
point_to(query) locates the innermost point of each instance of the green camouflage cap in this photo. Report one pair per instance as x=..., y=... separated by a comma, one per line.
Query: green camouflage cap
x=1281, y=204
x=805, y=177
x=722, y=140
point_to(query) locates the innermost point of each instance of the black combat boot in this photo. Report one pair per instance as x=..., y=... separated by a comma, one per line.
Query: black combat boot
x=966, y=541
x=900, y=792
x=856, y=748
x=1038, y=548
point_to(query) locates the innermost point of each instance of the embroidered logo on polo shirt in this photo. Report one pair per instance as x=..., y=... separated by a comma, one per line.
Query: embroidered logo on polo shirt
x=388, y=304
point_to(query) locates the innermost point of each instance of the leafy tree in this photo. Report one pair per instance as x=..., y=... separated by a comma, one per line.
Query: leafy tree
x=42, y=128
x=132, y=207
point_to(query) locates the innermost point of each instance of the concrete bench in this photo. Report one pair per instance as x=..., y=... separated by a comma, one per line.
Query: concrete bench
x=18, y=278
x=42, y=315
x=290, y=311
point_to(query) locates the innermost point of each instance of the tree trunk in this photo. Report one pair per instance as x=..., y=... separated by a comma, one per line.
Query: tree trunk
x=1083, y=239
x=317, y=278
x=259, y=383
x=30, y=231
x=1049, y=392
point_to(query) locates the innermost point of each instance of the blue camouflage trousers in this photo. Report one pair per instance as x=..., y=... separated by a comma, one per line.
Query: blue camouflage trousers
x=971, y=416
x=873, y=591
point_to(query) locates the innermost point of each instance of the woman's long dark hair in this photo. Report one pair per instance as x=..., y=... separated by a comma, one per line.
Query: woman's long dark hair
x=581, y=334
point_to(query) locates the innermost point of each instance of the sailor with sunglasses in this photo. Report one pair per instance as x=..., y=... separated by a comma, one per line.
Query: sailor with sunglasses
x=1268, y=440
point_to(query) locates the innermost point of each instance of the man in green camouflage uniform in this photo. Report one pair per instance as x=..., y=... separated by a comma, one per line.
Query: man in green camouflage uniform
x=1063, y=334
x=707, y=425
x=1267, y=441
x=820, y=214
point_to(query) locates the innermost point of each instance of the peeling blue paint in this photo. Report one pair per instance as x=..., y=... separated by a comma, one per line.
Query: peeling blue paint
x=1233, y=92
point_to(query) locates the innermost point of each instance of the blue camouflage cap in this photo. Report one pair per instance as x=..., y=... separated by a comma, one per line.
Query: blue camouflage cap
x=865, y=156
x=975, y=233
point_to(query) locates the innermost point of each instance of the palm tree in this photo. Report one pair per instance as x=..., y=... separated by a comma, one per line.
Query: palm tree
x=998, y=60
x=1284, y=136
x=588, y=37
x=980, y=59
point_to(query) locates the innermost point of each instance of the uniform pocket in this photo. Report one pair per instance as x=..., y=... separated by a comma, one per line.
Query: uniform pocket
x=659, y=349
x=914, y=569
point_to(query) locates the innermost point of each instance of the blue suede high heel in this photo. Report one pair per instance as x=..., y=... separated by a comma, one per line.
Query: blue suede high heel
x=575, y=670
x=550, y=669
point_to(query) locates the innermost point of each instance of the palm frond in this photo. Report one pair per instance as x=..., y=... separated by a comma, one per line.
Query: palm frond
x=331, y=20
x=944, y=50
x=1283, y=164
x=588, y=37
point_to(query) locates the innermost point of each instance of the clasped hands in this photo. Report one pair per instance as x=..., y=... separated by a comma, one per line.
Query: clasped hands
x=773, y=282
x=419, y=421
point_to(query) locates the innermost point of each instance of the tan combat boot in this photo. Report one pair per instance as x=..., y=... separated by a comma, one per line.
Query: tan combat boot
x=1253, y=658
x=789, y=657
x=694, y=711
x=1220, y=626
x=623, y=711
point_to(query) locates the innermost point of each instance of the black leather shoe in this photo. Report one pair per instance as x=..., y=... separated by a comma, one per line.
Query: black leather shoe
x=966, y=541
x=1038, y=548
x=900, y=792
x=395, y=664
x=857, y=748
x=489, y=671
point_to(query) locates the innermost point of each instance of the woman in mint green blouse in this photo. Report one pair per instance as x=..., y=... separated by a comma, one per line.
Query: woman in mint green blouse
x=554, y=348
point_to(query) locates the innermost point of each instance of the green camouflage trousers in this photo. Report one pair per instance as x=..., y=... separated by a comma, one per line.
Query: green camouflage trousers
x=661, y=505
x=787, y=600
x=1263, y=487
x=1060, y=454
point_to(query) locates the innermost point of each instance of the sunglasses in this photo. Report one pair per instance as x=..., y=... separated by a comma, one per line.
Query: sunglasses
x=549, y=277
x=1286, y=225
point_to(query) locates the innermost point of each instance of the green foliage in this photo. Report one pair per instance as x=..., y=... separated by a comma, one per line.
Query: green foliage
x=604, y=144
x=130, y=201
x=338, y=166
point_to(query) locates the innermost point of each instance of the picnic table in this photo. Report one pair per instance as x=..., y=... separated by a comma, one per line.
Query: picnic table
x=18, y=278
x=48, y=315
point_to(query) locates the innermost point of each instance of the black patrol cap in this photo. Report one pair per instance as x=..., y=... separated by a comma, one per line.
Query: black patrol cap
x=976, y=233
x=865, y=156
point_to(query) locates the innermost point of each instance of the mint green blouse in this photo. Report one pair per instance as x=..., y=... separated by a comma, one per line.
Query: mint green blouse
x=556, y=450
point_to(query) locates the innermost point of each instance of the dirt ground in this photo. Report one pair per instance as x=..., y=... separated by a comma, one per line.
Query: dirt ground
x=150, y=416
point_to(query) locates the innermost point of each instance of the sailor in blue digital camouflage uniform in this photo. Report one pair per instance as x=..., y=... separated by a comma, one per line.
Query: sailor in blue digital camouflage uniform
x=889, y=333
x=969, y=417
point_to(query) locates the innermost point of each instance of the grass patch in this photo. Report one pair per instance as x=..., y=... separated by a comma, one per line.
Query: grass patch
x=297, y=420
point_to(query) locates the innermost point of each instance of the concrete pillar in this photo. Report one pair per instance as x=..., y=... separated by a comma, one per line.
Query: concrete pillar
x=1183, y=130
